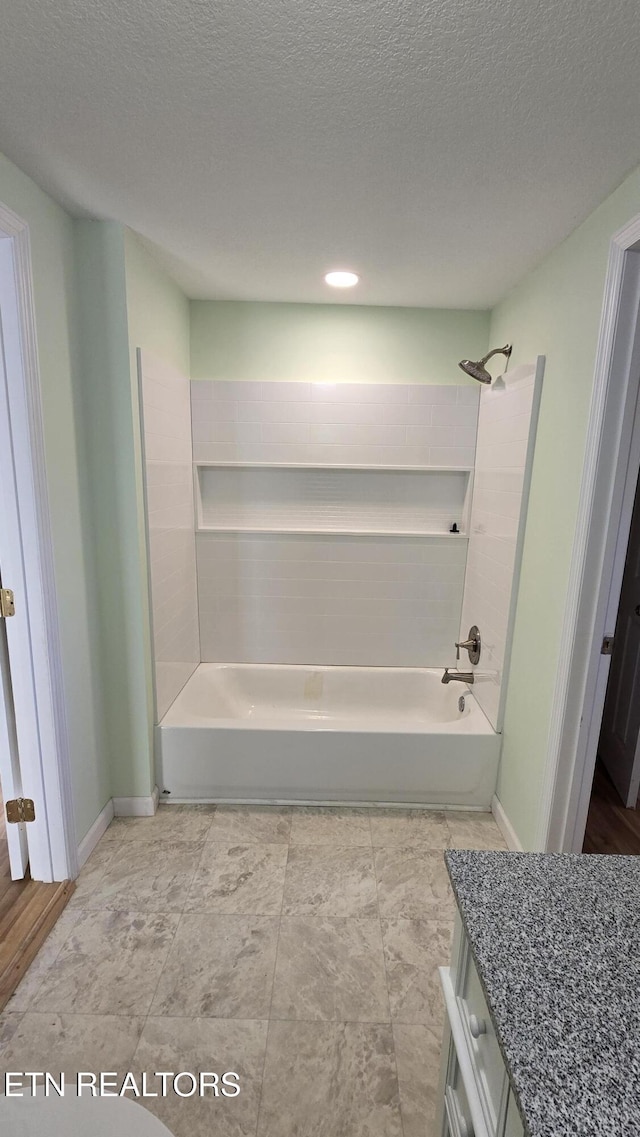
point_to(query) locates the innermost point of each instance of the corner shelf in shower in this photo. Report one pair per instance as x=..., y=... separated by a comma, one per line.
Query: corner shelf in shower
x=331, y=500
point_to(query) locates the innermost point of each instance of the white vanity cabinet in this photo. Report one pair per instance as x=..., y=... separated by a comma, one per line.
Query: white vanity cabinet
x=475, y=1097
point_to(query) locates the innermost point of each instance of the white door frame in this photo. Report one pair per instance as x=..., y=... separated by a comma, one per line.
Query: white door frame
x=612, y=461
x=44, y=764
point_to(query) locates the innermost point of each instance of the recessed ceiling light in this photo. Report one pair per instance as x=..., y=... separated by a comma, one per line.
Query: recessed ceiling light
x=342, y=279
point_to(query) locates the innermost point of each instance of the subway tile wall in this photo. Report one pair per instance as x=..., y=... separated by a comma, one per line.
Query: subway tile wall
x=368, y=423
x=270, y=598
x=329, y=599
x=166, y=423
x=506, y=436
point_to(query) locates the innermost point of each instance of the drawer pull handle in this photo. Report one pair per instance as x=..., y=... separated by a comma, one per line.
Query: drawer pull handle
x=458, y=1124
x=477, y=1026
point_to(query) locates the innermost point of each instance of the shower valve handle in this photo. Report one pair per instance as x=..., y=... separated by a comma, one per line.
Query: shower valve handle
x=472, y=645
x=466, y=644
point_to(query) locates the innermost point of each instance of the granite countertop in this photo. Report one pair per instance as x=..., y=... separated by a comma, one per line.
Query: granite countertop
x=556, y=941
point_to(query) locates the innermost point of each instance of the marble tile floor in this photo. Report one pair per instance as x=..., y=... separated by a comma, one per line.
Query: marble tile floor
x=295, y=946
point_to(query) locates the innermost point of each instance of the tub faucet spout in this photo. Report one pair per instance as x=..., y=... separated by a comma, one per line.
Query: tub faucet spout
x=457, y=676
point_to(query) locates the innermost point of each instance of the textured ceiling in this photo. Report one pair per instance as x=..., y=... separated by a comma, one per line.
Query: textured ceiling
x=439, y=148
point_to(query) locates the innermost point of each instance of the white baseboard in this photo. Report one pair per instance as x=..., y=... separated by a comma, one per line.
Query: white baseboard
x=136, y=806
x=115, y=807
x=505, y=826
x=90, y=840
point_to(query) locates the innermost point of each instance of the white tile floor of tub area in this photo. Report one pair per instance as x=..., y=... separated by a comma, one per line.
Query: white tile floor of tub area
x=295, y=946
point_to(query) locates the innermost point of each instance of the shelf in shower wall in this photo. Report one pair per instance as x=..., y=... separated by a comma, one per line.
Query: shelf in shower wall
x=213, y=463
x=332, y=500
x=333, y=532
x=238, y=465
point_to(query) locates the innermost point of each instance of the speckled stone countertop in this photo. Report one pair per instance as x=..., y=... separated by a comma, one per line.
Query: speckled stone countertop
x=556, y=941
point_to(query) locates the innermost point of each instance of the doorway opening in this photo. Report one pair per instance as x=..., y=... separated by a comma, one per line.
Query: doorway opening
x=583, y=722
x=613, y=821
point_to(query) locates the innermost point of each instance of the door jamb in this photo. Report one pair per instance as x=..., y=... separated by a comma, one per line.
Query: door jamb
x=56, y=847
x=612, y=460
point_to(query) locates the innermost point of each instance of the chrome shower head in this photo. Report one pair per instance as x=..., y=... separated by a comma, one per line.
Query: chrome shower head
x=476, y=368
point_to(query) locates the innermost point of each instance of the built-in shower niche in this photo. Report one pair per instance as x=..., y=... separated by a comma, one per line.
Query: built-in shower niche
x=390, y=501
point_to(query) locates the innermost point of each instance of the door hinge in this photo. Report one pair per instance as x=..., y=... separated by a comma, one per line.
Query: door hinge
x=607, y=646
x=7, y=603
x=20, y=809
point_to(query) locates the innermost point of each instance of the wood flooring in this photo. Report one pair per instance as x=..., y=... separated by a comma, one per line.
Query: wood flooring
x=611, y=828
x=28, y=912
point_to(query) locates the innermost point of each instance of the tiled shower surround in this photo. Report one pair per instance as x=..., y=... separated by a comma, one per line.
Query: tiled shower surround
x=368, y=423
x=322, y=516
x=334, y=597
x=506, y=437
x=329, y=600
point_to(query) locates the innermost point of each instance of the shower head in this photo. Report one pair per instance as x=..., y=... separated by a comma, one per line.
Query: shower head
x=476, y=368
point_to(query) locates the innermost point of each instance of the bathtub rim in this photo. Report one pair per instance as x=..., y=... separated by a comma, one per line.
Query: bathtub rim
x=389, y=725
x=296, y=726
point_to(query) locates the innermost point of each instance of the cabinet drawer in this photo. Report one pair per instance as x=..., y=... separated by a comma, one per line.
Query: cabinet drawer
x=462, y=1110
x=456, y=1103
x=480, y=1038
x=483, y=1044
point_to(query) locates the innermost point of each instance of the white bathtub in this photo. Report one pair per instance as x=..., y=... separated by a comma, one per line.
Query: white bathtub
x=245, y=732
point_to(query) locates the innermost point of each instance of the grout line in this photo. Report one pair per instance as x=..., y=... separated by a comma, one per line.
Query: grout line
x=160, y=973
x=206, y=1018
x=264, y=1066
x=400, y=1095
x=384, y=957
x=386, y=980
x=180, y=915
x=275, y=969
x=164, y=964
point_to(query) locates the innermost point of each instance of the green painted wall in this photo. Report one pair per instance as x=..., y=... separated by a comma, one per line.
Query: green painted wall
x=54, y=279
x=333, y=342
x=554, y=311
x=111, y=433
x=125, y=301
x=158, y=311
